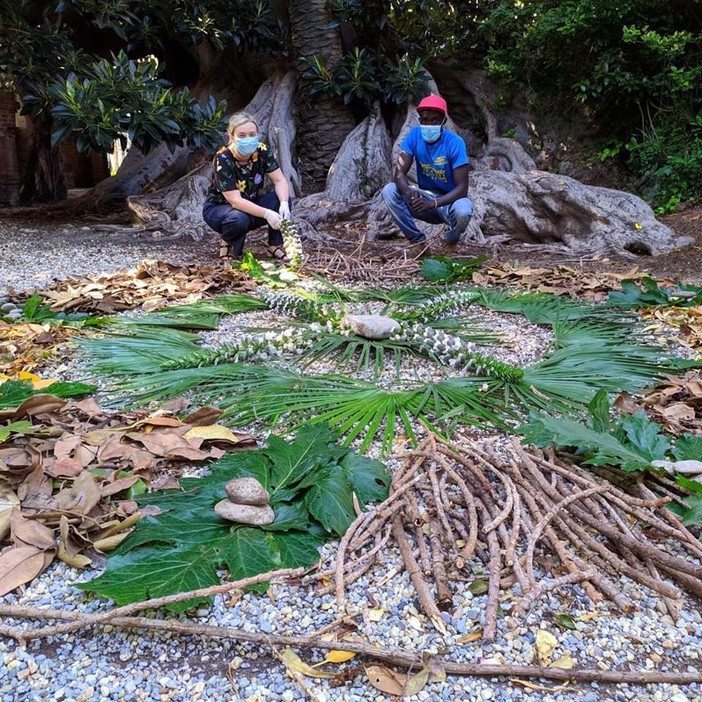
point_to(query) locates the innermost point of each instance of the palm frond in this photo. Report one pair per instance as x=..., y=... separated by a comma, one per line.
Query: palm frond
x=140, y=353
x=466, y=328
x=545, y=308
x=572, y=375
x=404, y=295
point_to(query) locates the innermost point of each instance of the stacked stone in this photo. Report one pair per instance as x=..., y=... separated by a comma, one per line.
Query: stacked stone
x=246, y=503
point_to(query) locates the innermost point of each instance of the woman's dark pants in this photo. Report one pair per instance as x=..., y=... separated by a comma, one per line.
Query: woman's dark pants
x=234, y=225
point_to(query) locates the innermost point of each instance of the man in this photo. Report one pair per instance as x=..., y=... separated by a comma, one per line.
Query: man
x=442, y=177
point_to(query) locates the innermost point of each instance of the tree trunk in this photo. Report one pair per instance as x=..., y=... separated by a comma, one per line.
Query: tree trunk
x=323, y=121
x=44, y=180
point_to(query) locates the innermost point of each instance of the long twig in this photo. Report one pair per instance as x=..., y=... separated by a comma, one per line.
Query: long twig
x=398, y=657
x=155, y=603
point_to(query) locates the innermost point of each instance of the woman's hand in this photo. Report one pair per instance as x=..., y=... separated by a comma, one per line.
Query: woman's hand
x=284, y=210
x=273, y=218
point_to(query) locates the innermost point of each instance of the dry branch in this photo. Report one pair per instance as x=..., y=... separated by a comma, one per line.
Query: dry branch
x=397, y=657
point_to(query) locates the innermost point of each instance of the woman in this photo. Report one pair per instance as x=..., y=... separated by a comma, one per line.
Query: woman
x=234, y=204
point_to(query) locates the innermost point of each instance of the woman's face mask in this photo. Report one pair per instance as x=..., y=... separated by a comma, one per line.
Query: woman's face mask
x=246, y=145
x=430, y=132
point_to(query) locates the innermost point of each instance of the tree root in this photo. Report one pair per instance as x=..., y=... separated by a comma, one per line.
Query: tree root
x=524, y=519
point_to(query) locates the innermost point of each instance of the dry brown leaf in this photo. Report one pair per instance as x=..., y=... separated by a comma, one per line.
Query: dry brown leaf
x=63, y=468
x=678, y=411
x=339, y=656
x=121, y=526
x=19, y=565
x=8, y=503
x=160, y=422
x=386, y=680
x=40, y=404
x=469, y=638
x=31, y=532
x=203, y=416
x=565, y=662
x=535, y=686
x=66, y=445
x=217, y=432
x=80, y=497
x=416, y=683
x=296, y=664
x=109, y=543
x=436, y=669
x=75, y=560
x=546, y=642
x=115, y=486
x=159, y=442
x=186, y=453
x=89, y=406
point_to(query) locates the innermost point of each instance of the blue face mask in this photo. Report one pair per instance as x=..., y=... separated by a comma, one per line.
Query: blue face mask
x=430, y=132
x=246, y=145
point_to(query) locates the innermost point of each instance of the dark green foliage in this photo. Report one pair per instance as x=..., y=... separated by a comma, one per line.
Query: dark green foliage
x=310, y=482
x=442, y=269
x=95, y=98
x=649, y=294
x=630, y=442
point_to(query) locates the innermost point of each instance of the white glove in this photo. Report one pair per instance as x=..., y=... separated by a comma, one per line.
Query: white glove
x=284, y=210
x=273, y=218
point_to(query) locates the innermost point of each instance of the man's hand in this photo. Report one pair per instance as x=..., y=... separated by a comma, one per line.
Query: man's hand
x=273, y=218
x=419, y=203
x=284, y=210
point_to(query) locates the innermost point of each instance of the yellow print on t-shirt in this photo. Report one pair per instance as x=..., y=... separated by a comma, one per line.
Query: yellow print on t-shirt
x=436, y=174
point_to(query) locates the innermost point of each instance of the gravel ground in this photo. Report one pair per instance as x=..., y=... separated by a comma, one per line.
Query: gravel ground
x=33, y=255
x=113, y=664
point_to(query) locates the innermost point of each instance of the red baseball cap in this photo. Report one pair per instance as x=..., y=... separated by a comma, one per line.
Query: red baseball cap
x=433, y=102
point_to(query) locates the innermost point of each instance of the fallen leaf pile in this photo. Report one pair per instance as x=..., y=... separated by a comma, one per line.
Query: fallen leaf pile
x=676, y=403
x=68, y=470
x=152, y=284
x=687, y=320
x=27, y=346
x=559, y=280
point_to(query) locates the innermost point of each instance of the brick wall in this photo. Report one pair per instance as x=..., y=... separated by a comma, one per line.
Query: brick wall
x=9, y=171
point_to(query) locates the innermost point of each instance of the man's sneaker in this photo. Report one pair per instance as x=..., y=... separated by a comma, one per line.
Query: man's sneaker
x=387, y=236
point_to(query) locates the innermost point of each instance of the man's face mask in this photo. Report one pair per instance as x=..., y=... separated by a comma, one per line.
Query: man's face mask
x=430, y=132
x=246, y=145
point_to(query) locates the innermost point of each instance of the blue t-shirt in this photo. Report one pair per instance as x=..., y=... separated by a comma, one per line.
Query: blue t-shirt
x=436, y=162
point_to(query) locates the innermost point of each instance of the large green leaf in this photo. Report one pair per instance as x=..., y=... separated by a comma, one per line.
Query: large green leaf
x=688, y=448
x=601, y=448
x=184, y=546
x=369, y=479
x=330, y=500
x=645, y=436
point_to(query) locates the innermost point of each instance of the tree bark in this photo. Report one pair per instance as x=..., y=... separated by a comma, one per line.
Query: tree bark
x=323, y=121
x=44, y=181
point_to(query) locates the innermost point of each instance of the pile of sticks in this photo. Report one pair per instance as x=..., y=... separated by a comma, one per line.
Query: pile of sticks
x=362, y=264
x=455, y=511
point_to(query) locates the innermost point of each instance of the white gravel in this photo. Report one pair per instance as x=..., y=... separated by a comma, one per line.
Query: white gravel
x=113, y=664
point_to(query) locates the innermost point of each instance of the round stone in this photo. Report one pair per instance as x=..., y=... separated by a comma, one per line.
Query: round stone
x=245, y=514
x=246, y=491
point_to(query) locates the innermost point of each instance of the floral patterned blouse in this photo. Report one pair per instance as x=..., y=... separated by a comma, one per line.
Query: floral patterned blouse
x=248, y=178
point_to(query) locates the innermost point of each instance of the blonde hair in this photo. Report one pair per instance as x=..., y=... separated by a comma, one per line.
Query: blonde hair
x=239, y=118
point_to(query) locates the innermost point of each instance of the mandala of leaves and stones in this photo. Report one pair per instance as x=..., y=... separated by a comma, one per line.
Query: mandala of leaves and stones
x=456, y=510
